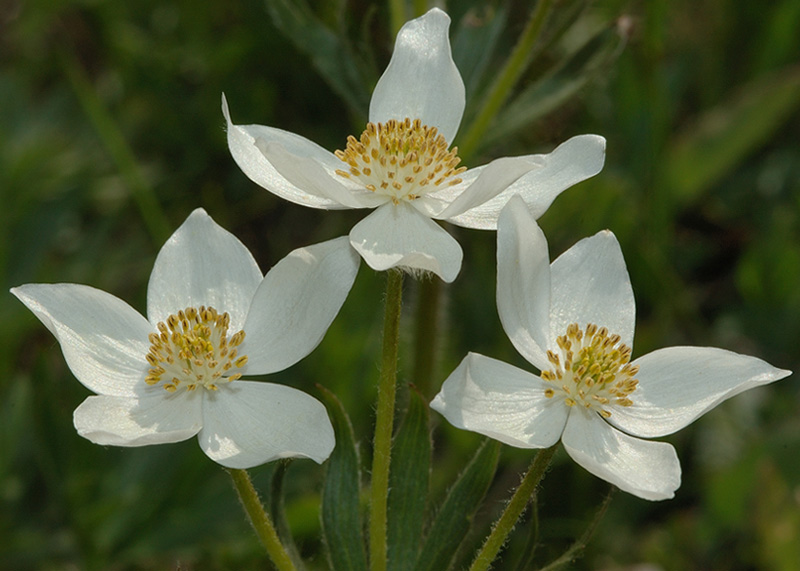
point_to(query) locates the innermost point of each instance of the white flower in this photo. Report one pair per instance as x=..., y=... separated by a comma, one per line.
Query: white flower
x=402, y=166
x=574, y=321
x=212, y=317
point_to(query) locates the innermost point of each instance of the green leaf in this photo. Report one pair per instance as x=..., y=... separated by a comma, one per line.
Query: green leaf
x=341, y=515
x=453, y=521
x=723, y=136
x=557, y=88
x=474, y=42
x=408, y=485
x=330, y=52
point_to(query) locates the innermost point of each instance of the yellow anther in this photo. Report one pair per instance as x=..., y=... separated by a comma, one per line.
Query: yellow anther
x=596, y=372
x=192, y=350
x=403, y=156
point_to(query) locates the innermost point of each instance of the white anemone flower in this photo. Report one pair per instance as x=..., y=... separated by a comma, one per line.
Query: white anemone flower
x=402, y=164
x=574, y=320
x=212, y=318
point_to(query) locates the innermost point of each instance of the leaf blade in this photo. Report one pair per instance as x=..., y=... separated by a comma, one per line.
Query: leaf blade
x=454, y=518
x=342, y=527
x=408, y=485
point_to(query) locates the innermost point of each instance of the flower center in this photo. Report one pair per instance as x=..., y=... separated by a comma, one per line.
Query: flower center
x=401, y=159
x=592, y=369
x=192, y=349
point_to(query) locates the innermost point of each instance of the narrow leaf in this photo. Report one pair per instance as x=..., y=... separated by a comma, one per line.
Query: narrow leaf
x=408, y=485
x=474, y=42
x=720, y=138
x=454, y=519
x=330, y=52
x=341, y=516
x=557, y=88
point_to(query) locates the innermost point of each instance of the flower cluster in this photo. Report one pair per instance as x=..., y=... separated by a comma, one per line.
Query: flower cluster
x=214, y=319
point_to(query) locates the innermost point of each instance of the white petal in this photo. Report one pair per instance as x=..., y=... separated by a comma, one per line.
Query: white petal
x=571, y=162
x=104, y=340
x=591, y=285
x=202, y=264
x=678, y=384
x=296, y=303
x=241, y=142
x=649, y=470
x=308, y=174
x=434, y=202
x=422, y=81
x=397, y=235
x=493, y=179
x=523, y=282
x=501, y=401
x=249, y=423
x=159, y=418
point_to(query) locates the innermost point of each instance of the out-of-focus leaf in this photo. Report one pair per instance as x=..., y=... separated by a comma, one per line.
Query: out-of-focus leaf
x=408, y=485
x=341, y=516
x=777, y=520
x=555, y=89
x=721, y=137
x=453, y=521
x=779, y=42
x=474, y=42
x=14, y=422
x=330, y=53
x=333, y=12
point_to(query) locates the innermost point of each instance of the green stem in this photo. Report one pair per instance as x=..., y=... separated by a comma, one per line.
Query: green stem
x=514, y=509
x=426, y=334
x=506, y=79
x=260, y=520
x=420, y=7
x=576, y=549
x=397, y=15
x=384, y=422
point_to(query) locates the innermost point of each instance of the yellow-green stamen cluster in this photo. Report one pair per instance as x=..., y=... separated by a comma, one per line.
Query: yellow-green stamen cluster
x=192, y=349
x=400, y=159
x=592, y=369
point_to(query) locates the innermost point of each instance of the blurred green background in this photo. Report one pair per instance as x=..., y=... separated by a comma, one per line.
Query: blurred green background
x=111, y=134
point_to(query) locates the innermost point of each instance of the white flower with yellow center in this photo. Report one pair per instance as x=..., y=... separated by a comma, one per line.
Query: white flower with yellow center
x=213, y=317
x=574, y=321
x=402, y=164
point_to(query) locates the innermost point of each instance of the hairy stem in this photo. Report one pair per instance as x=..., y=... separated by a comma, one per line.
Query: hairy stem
x=514, y=509
x=384, y=422
x=260, y=520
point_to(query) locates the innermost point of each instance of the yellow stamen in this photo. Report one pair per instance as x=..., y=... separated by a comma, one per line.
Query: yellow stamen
x=404, y=157
x=596, y=366
x=193, y=350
